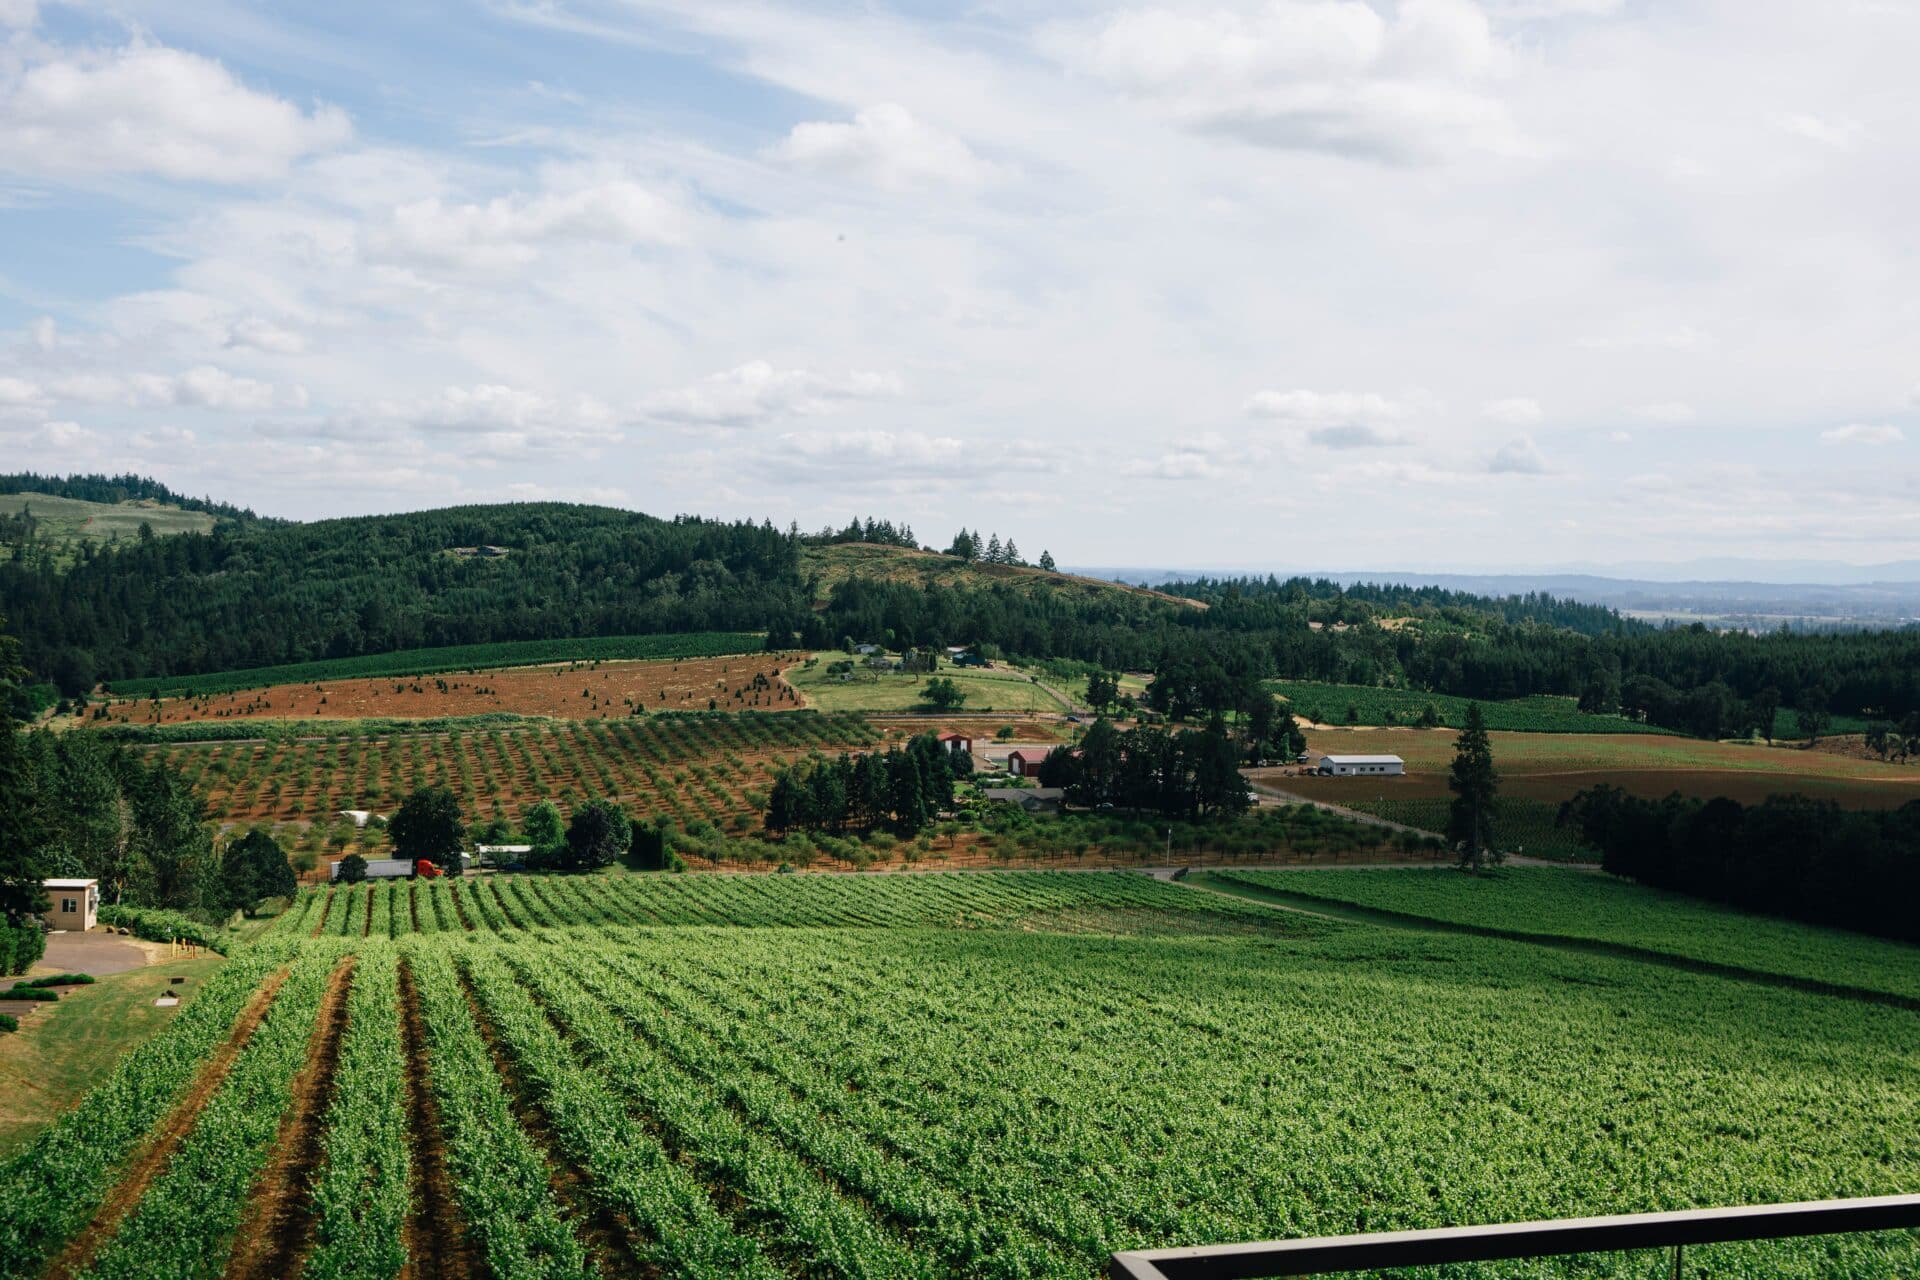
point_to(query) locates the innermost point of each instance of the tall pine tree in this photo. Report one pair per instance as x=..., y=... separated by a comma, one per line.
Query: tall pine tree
x=1476, y=795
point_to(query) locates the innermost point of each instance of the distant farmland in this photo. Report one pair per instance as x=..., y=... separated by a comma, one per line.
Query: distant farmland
x=574, y=690
x=1540, y=771
x=689, y=767
x=464, y=657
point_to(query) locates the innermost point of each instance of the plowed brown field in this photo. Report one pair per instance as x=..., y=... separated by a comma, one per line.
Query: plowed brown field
x=575, y=691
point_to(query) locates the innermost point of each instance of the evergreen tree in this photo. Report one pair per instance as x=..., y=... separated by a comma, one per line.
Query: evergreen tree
x=172, y=847
x=1476, y=786
x=994, y=554
x=1046, y=561
x=1010, y=555
x=21, y=833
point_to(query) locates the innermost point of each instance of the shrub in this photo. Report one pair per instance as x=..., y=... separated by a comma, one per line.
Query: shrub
x=8, y=1022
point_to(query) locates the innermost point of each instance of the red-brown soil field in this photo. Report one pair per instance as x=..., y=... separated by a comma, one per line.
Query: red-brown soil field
x=576, y=691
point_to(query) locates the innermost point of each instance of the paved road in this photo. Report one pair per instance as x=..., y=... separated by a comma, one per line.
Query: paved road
x=96, y=953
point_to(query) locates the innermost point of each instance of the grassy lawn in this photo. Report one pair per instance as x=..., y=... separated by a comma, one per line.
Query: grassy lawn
x=70, y=1046
x=1002, y=689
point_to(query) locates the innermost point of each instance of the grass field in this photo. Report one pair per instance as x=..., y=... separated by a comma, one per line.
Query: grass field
x=1342, y=704
x=69, y=1046
x=1333, y=703
x=462, y=657
x=1580, y=904
x=966, y=1075
x=1002, y=689
x=1539, y=771
x=70, y=521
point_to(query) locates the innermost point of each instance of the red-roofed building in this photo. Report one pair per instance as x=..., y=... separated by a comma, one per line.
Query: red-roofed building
x=956, y=743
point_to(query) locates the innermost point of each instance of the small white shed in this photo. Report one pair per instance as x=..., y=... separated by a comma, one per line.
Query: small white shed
x=72, y=904
x=1356, y=766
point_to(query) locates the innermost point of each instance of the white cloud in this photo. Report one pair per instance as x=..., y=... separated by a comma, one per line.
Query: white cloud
x=1514, y=411
x=1863, y=433
x=1518, y=456
x=1313, y=75
x=867, y=457
x=756, y=393
x=44, y=333
x=1356, y=436
x=1838, y=134
x=1676, y=338
x=1210, y=456
x=63, y=435
x=264, y=335
x=1666, y=412
x=18, y=13
x=203, y=386
x=1325, y=408
x=162, y=439
x=509, y=230
x=19, y=394
x=1620, y=437
x=884, y=145
x=154, y=110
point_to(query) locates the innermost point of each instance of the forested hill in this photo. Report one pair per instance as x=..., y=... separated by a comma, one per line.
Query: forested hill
x=255, y=594
x=1326, y=601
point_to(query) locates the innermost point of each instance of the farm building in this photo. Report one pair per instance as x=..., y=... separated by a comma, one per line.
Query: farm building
x=1032, y=799
x=956, y=743
x=1371, y=766
x=867, y=650
x=73, y=903
x=1025, y=764
x=358, y=817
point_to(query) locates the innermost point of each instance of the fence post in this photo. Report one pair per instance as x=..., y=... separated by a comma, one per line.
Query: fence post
x=1679, y=1259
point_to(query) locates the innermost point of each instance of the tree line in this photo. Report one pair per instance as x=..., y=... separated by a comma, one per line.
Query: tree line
x=1186, y=773
x=1786, y=856
x=901, y=788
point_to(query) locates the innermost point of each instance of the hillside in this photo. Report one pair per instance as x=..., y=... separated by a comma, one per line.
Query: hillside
x=829, y=566
x=62, y=524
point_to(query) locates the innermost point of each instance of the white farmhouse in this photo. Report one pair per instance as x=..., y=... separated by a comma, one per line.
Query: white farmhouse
x=1369, y=766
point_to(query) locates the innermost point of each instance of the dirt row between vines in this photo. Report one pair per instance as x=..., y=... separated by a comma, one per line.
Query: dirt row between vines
x=277, y=1229
x=438, y=1247
x=166, y=1138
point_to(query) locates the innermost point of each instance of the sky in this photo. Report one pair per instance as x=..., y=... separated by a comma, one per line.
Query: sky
x=1411, y=283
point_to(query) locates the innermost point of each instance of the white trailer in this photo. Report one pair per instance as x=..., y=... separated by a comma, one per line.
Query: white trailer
x=382, y=868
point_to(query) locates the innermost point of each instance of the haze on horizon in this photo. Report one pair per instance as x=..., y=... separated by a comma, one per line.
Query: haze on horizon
x=1512, y=283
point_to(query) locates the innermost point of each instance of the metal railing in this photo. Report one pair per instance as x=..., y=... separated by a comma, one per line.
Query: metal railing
x=1325, y=1255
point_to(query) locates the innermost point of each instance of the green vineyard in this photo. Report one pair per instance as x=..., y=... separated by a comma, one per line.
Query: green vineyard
x=911, y=1075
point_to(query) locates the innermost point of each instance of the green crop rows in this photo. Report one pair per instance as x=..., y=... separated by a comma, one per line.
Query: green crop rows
x=463, y=657
x=997, y=1075
x=1332, y=703
x=1588, y=905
